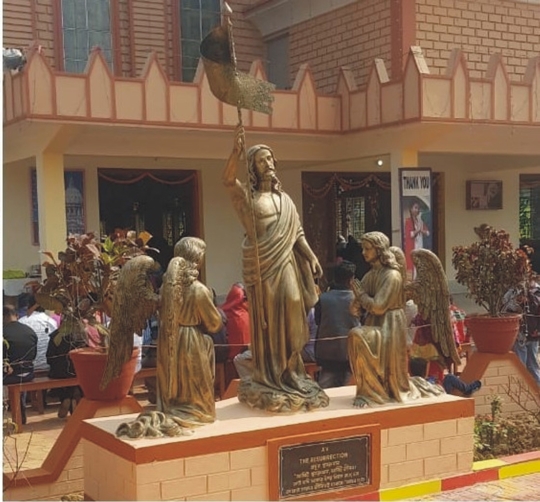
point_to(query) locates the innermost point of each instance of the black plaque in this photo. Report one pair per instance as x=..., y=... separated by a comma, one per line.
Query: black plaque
x=324, y=466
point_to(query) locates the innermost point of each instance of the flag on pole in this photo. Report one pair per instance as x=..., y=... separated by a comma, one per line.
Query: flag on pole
x=226, y=82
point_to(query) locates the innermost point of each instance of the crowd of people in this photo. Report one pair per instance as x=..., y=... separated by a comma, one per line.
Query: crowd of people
x=277, y=320
x=33, y=342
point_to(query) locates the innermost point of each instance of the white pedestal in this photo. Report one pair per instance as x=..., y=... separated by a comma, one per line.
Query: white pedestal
x=242, y=456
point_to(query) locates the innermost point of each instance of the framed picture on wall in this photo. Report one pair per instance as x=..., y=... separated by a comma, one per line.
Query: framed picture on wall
x=75, y=203
x=484, y=194
x=416, y=204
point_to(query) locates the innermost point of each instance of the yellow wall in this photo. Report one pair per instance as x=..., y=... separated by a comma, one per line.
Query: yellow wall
x=221, y=228
x=18, y=251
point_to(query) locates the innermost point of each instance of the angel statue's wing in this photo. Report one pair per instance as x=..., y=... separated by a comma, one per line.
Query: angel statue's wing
x=180, y=274
x=400, y=259
x=134, y=301
x=430, y=293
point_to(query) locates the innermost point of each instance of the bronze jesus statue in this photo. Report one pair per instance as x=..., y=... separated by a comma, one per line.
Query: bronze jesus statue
x=279, y=269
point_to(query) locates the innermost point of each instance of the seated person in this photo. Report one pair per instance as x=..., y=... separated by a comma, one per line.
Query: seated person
x=334, y=320
x=457, y=318
x=308, y=352
x=149, y=343
x=19, y=352
x=60, y=365
x=43, y=325
x=243, y=364
x=418, y=367
x=149, y=355
x=425, y=347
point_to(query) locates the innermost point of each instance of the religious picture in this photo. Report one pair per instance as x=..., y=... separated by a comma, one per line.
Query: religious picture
x=484, y=194
x=75, y=208
x=416, y=213
x=75, y=217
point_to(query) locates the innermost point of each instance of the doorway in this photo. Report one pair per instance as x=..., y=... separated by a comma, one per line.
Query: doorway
x=529, y=216
x=163, y=203
x=347, y=205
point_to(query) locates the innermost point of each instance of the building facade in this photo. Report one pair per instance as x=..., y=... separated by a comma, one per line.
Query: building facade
x=365, y=87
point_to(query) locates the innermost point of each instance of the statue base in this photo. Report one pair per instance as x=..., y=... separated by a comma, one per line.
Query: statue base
x=333, y=453
x=257, y=395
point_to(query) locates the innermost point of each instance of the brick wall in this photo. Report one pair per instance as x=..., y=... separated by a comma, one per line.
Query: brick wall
x=25, y=21
x=248, y=42
x=502, y=378
x=125, y=69
x=17, y=23
x=44, y=15
x=236, y=475
x=353, y=36
x=153, y=30
x=149, y=33
x=480, y=28
x=426, y=451
x=409, y=454
x=71, y=480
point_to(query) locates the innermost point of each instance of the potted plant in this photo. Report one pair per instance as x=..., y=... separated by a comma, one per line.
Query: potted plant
x=490, y=268
x=79, y=286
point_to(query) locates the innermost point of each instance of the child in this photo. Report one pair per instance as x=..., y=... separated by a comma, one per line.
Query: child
x=418, y=367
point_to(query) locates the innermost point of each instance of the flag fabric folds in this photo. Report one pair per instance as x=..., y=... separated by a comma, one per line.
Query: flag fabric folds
x=226, y=83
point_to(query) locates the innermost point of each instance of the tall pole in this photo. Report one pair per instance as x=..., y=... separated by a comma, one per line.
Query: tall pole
x=228, y=13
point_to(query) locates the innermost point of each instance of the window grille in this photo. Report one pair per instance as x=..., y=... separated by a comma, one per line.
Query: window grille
x=85, y=24
x=197, y=18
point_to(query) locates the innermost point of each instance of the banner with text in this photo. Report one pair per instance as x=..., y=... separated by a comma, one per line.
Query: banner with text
x=415, y=190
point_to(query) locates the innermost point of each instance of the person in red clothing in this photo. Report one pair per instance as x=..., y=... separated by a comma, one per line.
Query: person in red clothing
x=457, y=318
x=415, y=231
x=236, y=311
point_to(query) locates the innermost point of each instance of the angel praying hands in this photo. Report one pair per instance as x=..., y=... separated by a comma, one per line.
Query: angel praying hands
x=378, y=349
x=185, y=356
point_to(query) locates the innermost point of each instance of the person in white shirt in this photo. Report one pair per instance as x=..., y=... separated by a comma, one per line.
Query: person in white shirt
x=43, y=325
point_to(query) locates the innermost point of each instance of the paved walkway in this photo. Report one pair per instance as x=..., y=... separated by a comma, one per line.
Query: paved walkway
x=518, y=488
x=29, y=449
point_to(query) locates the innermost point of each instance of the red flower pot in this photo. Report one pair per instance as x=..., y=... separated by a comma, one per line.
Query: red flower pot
x=89, y=367
x=495, y=335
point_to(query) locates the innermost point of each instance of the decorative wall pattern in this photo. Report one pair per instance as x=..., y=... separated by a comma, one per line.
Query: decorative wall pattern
x=38, y=92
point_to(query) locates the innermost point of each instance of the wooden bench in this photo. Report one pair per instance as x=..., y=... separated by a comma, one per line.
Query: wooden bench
x=41, y=383
x=37, y=384
x=144, y=373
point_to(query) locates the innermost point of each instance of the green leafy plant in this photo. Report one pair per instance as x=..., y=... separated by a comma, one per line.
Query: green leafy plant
x=490, y=267
x=495, y=436
x=80, y=284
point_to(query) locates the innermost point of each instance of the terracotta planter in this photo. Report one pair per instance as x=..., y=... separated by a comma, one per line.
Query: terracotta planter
x=495, y=335
x=89, y=366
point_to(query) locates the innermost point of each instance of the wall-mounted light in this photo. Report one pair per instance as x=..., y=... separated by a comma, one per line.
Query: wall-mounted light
x=13, y=59
x=379, y=162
